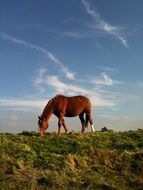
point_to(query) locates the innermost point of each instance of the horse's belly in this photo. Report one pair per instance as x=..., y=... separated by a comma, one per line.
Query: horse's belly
x=71, y=114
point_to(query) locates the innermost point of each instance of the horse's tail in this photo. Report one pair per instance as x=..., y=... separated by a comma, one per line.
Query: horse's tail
x=86, y=120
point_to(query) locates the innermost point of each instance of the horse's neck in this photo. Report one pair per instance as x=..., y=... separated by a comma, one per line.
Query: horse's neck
x=48, y=110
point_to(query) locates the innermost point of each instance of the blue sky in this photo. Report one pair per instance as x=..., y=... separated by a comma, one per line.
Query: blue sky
x=88, y=47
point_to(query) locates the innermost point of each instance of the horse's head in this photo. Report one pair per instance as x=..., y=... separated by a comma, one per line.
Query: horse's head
x=43, y=125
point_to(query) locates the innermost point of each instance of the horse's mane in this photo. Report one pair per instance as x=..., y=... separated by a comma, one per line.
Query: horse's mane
x=58, y=95
x=50, y=104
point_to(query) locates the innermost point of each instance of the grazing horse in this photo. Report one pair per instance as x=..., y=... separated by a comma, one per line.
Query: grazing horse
x=69, y=107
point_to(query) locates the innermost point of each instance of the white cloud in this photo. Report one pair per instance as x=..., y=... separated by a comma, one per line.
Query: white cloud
x=103, y=25
x=89, y=10
x=104, y=79
x=26, y=105
x=21, y=103
x=59, y=86
x=64, y=87
x=39, y=80
x=70, y=75
x=140, y=84
x=53, y=58
x=69, y=89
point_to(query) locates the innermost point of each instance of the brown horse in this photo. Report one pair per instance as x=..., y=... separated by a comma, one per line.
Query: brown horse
x=69, y=107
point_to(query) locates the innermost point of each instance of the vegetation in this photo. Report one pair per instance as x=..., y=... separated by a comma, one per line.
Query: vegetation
x=103, y=160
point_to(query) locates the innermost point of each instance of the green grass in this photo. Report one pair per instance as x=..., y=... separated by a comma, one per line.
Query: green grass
x=103, y=160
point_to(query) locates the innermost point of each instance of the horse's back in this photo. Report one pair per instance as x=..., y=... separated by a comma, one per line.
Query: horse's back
x=72, y=106
x=80, y=100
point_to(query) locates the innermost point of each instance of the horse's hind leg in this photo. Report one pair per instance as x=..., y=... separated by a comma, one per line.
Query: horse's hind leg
x=82, y=122
x=88, y=118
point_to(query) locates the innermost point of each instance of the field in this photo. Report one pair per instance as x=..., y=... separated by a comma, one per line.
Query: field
x=103, y=160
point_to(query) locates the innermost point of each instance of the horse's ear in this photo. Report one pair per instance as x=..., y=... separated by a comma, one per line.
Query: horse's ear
x=39, y=117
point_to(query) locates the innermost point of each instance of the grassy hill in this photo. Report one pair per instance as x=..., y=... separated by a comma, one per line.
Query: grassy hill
x=103, y=160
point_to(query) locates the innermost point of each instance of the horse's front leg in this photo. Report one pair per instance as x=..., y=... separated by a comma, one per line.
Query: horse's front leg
x=64, y=125
x=60, y=122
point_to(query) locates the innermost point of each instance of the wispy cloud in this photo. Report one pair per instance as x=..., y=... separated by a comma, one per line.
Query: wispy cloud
x=21, y=103
x=58, y=86
x=109, y=69
x=69, y=89
x=104, y=79
x=103, y=25
x=70, y=75
x=131, y=97
x=44, y=81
